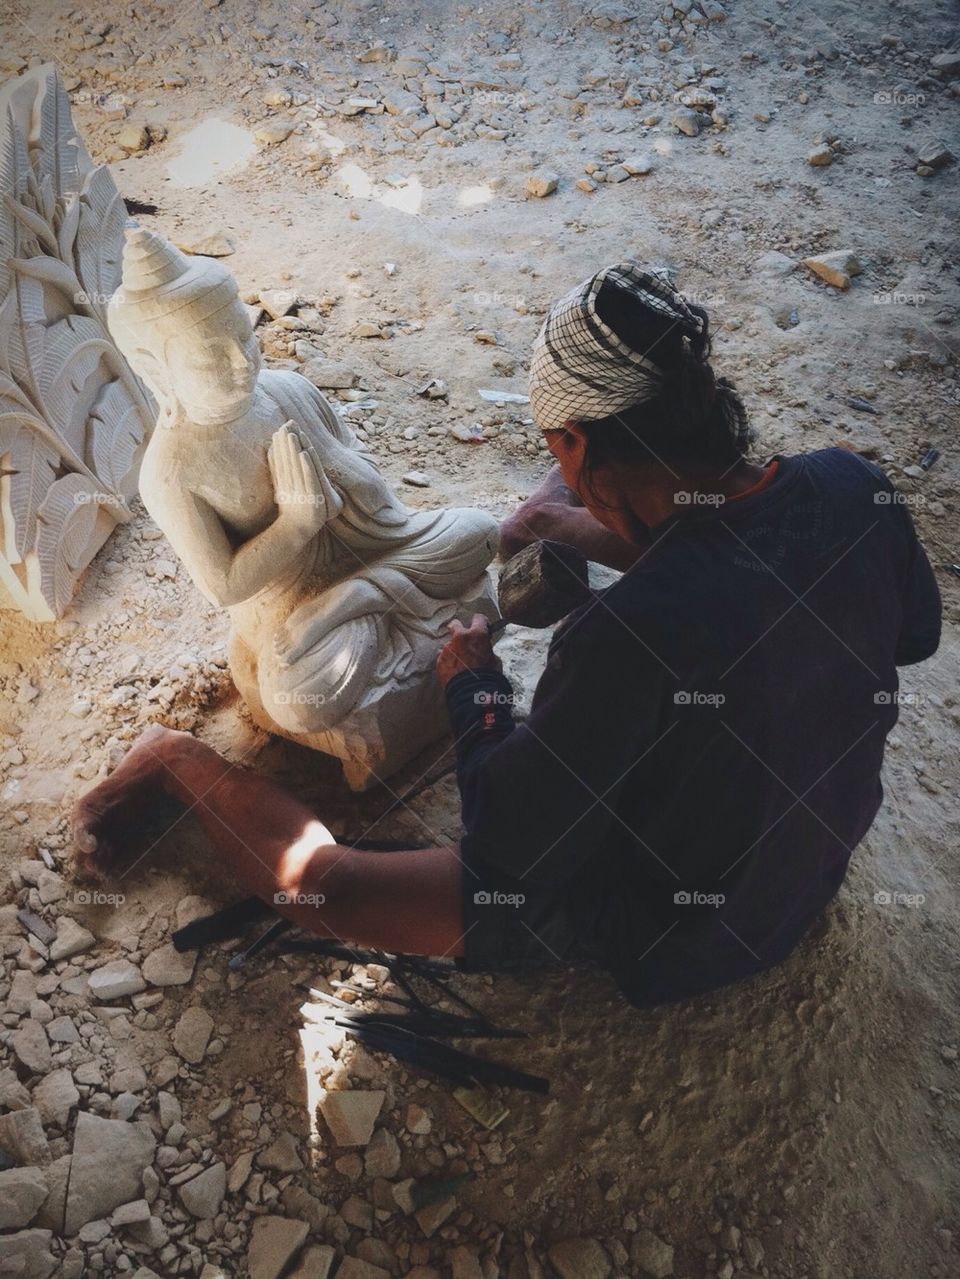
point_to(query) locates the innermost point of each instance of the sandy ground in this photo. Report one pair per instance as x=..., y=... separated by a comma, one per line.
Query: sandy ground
x=804, y=1124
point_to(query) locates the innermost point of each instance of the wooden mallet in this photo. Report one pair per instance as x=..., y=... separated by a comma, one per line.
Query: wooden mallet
x=541, y=584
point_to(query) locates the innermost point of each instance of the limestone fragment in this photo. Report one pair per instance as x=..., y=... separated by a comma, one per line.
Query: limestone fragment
x=22, y=1191
x=215, y=244
x=116, y=979
x=72, y=939
x=56, y=1175
x=277, y=302
x=933, y=154
x=203, y=1195
x=23, y=1138
x=350, y=1115
x=639, y=164
x=834, y=268
x=432, y=1216
x=653, y=1256
x=31, y=1047
x=328, y=374
x=579, y=1259
x=109, y=1158
x=382, y=1156
x=316, y=1262
x=167, y=966
x=192, y=1034
x=271, y=133
x=273, y=1243
x=134, y=138
x=354, y=1268
x=282, y=1154
x=418, y=1120
x=27, y=1254
x=55, y=1097
x=684, y=120
x=541, y=183
x=464, y=1264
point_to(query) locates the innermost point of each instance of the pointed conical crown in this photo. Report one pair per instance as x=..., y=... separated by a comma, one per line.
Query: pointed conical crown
x=162, y=287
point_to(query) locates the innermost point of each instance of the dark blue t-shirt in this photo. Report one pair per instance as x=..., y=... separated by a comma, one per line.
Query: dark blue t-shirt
x=704, y=748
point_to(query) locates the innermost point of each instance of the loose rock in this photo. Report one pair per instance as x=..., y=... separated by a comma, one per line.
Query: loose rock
x=542, y=183
x=72, y=939
x=350, y=1115
x=109, y=1158
x=316, y=1262
x=27, y=1254
x=22, y=1191
x=31, y=1048
x=23, y=1138
x=684, y=120
x=116, y=979
x=835, y=268
x=203, y=1195
x=55, y=1097
x=282, y=1154
x=168, y=966
x=579, y=1259
x=651, y=1254
x=192, y=1034
x=273, y=1243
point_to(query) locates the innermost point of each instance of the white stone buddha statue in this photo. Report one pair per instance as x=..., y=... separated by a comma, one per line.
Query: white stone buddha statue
x=339, y=595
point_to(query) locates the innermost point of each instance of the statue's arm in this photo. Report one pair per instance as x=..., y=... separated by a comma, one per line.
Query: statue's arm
x=226, y=573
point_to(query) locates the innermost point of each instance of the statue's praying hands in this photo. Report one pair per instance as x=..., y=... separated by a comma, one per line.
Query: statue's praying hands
x=304, y=495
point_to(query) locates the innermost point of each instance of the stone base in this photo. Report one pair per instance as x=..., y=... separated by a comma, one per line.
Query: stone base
x=378, y=738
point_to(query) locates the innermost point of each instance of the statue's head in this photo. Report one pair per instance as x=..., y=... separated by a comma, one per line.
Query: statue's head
x=182, y=327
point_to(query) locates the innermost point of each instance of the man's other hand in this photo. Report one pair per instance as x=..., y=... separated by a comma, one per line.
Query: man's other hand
x=469, y=648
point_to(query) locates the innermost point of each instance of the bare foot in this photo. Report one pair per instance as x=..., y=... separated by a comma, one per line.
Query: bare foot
x=104, y=819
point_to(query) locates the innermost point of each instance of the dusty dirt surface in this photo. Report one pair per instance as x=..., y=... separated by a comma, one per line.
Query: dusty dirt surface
x=369, y=164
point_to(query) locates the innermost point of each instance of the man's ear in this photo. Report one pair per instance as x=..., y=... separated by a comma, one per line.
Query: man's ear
x=569, y=447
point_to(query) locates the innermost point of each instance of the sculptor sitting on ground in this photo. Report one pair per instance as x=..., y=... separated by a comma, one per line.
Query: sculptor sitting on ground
x=704, y=748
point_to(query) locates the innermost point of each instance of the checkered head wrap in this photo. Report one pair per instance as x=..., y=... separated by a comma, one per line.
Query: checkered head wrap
x=580, y=370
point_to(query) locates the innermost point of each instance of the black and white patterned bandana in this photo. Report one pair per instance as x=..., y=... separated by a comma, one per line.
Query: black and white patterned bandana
x=580, y=370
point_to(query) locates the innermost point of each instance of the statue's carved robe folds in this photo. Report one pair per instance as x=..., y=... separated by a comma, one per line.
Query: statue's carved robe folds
x=339, y=595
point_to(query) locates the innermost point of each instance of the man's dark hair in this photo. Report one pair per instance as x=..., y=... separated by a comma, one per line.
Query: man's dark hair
x=697, y=421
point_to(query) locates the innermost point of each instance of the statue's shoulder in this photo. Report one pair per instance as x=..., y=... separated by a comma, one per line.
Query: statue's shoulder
x=299, y=399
